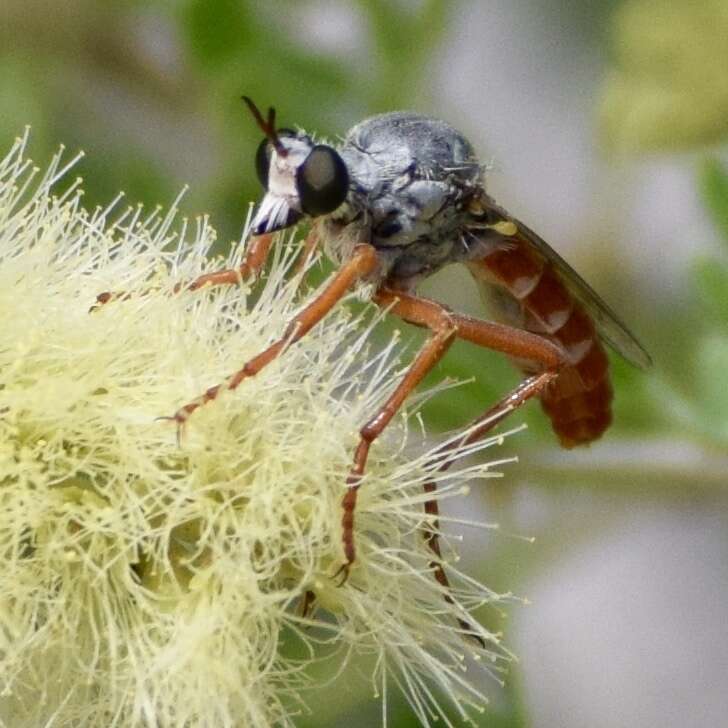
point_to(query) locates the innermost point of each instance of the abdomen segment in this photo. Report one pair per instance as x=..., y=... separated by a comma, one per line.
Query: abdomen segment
x=526, y=291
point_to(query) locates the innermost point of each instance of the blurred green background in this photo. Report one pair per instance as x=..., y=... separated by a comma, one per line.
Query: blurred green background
x=605, y=126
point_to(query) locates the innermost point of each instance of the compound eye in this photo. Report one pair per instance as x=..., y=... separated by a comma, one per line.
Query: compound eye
x=322, y=181
x=262, y=162
x=262, y=156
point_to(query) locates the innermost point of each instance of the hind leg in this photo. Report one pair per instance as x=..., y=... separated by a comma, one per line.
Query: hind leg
x=445, y=326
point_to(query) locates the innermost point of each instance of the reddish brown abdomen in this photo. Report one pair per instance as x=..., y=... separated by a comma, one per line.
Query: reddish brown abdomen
x=530, y=294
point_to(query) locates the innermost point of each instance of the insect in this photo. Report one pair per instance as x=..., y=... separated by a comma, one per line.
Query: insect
x=401, y=197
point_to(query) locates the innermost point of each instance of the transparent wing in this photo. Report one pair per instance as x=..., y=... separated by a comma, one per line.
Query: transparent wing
x=608, y=324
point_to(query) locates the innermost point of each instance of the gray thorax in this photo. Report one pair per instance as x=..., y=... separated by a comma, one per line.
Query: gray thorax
x=411, y=178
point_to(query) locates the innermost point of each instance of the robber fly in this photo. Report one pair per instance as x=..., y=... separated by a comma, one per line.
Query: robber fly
x=401, y=197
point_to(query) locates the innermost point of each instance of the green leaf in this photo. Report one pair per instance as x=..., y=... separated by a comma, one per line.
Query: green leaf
x=714, y=189
x=711, y=278
x=711, y=366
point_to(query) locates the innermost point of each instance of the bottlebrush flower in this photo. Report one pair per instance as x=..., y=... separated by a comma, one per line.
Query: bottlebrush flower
x=151, y=582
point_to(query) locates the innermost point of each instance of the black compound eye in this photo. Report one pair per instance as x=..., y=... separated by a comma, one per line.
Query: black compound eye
x=322, y=181
x=262, y=156
x=262, y=162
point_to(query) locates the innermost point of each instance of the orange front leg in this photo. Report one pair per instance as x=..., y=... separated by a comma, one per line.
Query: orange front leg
x=253, y=262
x=362, y=263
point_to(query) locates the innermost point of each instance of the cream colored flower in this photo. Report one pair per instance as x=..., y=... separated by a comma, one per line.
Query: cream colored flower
x=146, y=582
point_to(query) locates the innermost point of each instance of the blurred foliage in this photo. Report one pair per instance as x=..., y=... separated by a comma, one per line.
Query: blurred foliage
x=151, y=91
x=669, y=88
x=714, y=189
x=701, y=402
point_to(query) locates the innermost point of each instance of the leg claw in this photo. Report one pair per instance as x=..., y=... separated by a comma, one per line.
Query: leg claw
x=178, y=417
x=306, y=605
x=342, y=573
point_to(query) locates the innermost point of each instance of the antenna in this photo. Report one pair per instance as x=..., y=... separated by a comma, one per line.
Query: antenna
x=268, y=126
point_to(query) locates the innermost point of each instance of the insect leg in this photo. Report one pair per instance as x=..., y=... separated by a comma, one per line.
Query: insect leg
x=306, y=604
x=479, y=428
x=530, y=387
x=253, y=261
x=432, y=539
x=310, y=244
x=514, y=342
x=443, y=334
x=517, y=343
x=363, y=262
